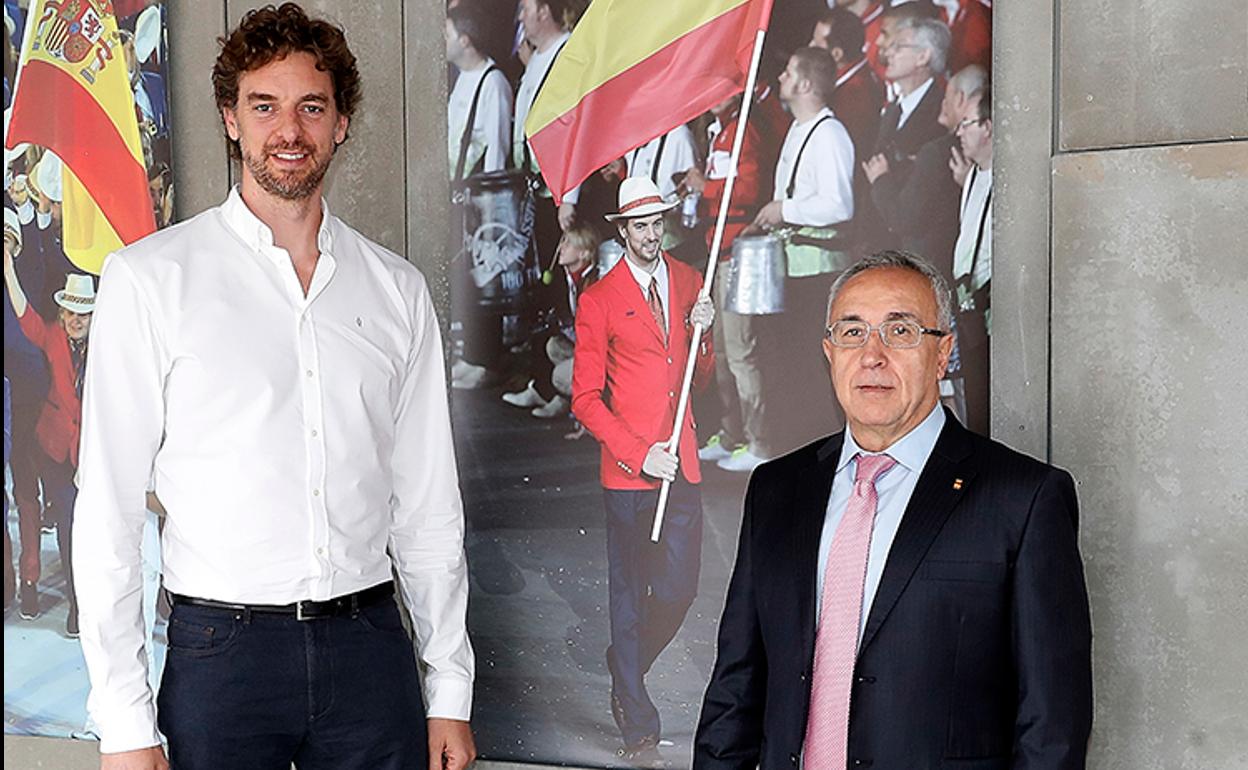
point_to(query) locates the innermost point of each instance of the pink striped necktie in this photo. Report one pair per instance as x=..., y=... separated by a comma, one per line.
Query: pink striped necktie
x=836, y=642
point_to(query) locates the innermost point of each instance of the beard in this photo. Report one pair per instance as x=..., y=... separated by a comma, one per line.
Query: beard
x=290, y=185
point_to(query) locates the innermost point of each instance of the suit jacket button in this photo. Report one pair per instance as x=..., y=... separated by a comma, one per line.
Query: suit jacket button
x=802, y=676
x=793, y=759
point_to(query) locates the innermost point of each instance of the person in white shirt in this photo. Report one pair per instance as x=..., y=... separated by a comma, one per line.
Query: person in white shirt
x=813, y=194
x=279, y=380
x=481, y=93
x=972, y=257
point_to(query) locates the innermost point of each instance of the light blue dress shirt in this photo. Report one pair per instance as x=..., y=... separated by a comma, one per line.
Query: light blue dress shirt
x=893, y=490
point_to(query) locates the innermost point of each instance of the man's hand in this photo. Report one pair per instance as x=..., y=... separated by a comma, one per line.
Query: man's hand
x=959, y=165
x=150, y=758
x=694, y=180
x=771, y=215
x=614, y=171
x=875, y=168
x=567, y=215
x=450, y=744
x=660, y=463
x=703, y=312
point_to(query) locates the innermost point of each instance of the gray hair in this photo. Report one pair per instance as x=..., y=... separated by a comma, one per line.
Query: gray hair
x=968, y=80
x=931, y=34
x=907, y=261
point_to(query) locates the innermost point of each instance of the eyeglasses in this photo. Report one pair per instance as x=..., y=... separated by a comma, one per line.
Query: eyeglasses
x=968, y=122
x=894, y=334
x=895, y=46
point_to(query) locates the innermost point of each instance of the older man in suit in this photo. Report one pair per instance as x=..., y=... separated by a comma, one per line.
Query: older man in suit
x=633, y=332
x=907, y=594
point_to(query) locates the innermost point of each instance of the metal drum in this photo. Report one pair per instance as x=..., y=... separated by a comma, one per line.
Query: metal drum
x=497, y=213
x=610, y=252
x=756, y=276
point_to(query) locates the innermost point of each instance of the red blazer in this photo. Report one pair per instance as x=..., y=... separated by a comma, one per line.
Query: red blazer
x=57, y=428
x=625, y=383
x=857, y=103
x=971, y=29
x=748, y=195
x=872, y=20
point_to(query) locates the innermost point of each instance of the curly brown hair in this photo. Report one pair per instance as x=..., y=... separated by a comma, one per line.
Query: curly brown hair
x=271, y=33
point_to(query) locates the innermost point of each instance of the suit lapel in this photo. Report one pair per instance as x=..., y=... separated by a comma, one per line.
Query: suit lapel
x=630, y=291
x=934, y=498
x=811, y=503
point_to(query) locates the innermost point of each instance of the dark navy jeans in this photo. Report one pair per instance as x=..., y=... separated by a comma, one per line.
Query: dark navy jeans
x=651, y=586
x=256, y=690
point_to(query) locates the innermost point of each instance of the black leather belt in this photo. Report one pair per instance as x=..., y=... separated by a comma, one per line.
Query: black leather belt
x=346, y=604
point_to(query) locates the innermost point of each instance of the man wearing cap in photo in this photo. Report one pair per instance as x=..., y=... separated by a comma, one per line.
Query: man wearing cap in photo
x=633, y=330
x=64, y=344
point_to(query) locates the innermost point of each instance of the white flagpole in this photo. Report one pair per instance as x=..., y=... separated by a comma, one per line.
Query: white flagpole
x=707, y=281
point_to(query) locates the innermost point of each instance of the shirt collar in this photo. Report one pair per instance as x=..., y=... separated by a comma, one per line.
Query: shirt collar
x=849, y=73
x=912, y=99
x=256, y=234
x=911, y=450
x=811, y=121
x=643, y=278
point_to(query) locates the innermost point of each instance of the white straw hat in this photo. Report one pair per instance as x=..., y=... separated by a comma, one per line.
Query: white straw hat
x=639, y=197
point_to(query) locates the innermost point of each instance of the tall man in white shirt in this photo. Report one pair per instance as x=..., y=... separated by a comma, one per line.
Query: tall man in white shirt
x=481, y=93
x=972, y=258
x=278, y=377
x=814, y=194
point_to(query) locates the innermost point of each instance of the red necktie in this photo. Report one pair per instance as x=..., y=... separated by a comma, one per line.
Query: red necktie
x=836, y=642
x=656, y=308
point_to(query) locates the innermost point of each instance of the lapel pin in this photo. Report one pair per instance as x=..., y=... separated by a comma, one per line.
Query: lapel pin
x=957, y=483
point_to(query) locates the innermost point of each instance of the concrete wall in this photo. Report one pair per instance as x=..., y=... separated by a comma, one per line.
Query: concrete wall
x=1122, y=280
x=1120, y=306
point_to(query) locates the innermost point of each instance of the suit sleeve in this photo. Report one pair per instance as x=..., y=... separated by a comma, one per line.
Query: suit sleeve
x=1052, y=634
x=730, y=730
x=589, y=383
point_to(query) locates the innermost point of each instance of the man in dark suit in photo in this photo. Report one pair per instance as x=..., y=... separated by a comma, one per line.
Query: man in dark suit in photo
x=907, y=594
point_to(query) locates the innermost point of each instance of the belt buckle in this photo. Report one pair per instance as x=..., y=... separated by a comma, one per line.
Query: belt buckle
x=299, y=611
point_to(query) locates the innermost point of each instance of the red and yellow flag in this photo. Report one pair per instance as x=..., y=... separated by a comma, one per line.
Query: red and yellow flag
x=633, y=70
x=73, y=97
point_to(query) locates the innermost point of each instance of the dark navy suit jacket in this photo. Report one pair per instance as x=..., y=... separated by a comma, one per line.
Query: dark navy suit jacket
x=977, y=650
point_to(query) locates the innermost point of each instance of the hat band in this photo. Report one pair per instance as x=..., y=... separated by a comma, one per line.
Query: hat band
x=78, y=299
x=640, y=202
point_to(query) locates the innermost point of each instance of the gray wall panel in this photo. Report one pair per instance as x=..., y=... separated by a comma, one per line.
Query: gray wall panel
x=1152, y=71
x=200, y=159
x=1022, y=126
x=365, y=183
x=1150, y=291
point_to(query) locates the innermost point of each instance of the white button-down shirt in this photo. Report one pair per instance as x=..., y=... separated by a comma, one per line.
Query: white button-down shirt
x=294, y=440
x=526, y=93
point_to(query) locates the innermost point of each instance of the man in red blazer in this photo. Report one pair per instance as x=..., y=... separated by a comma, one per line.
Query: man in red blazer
x=64, y=344
x=633, y=332
x=859, y=95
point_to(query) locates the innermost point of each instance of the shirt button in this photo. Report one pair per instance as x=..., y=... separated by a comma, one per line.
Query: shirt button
x=320, y=551
x=316, y=493
x=314, y=433
x=308, y=372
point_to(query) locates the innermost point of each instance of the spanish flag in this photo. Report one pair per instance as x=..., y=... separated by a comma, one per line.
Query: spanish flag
x=633, y=70
x=73, y=97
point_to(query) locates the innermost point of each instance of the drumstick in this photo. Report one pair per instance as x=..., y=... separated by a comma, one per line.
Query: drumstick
x=548, y=275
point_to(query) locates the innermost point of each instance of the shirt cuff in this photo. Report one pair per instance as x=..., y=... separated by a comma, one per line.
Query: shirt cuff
x=448, y=696
x=127, y=729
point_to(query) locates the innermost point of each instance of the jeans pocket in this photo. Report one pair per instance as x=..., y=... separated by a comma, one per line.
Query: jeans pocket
x=201, y=634
x=382, y=616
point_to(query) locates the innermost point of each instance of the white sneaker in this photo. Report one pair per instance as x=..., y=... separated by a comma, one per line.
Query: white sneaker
x=557, y=407
x=471, y=378
x=525, y=399
x=741, y=461
x=714, y=449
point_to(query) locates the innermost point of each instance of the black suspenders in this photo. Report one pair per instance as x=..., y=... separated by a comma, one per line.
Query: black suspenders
x=465, y=139
x=797, y=162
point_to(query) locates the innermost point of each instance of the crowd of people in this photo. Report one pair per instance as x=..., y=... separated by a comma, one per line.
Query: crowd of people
x=870, y=128
x=48, y=305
